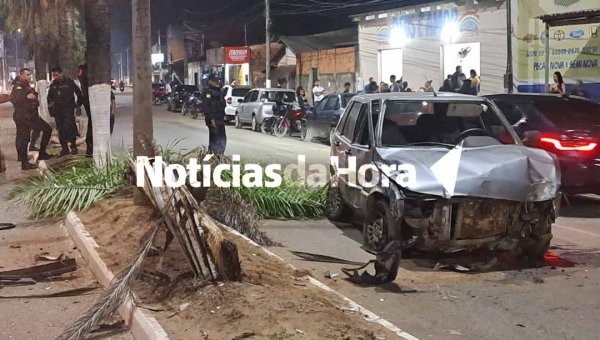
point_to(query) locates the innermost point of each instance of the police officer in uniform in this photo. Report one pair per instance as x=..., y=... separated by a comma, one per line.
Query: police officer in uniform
x=26, y=117
x=213, y=105
x=61, y=102
x=83, y=80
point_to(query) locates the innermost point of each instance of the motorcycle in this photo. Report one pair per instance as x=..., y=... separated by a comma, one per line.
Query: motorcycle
x=285, y=120
x=160, y=99
x=192, y=105
x=122, y=87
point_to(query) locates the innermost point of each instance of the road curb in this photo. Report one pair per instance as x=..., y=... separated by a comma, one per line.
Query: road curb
x=363, y=311
x=142, y=326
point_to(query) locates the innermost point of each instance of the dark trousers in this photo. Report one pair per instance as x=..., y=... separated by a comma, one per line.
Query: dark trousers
x=89, y=137
x=67, y=129
x=24, y=135
x=217, y=137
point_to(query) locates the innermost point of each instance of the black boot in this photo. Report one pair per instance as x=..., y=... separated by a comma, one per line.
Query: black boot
x=28, y=166
x=44, y=156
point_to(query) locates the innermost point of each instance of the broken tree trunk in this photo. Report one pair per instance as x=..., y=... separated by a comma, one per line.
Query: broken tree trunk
x=208, y=252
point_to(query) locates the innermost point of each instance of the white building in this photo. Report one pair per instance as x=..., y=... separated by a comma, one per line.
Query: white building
x=427, y=42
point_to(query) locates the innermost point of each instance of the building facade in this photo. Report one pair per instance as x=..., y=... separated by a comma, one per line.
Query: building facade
x=427, y=42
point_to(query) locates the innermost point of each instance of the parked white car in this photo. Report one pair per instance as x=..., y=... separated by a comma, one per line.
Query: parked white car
x=232, y=95
x=258, y=105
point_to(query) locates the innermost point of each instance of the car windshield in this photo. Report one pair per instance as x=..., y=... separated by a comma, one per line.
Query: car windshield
x=564, y=111
x=422, y=123
x=346, y=99
x=288, y=97
x=239, y=92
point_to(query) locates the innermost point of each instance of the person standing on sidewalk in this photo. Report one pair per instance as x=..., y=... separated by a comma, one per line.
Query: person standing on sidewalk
x=213, y=105
x=89, y=137
x=61, y=102
x=26, y=117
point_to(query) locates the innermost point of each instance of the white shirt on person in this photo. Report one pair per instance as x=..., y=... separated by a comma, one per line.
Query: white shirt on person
x=318, y=89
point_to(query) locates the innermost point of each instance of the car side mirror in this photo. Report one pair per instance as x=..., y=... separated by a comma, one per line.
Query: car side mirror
x=531, y=138
x=240, y=100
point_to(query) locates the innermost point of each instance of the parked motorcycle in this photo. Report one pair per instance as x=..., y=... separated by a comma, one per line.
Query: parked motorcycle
x=285, y=120
x=160, y=99
x=192, y=105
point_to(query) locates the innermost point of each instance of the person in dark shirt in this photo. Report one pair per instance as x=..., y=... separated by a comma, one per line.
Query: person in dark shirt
x=61, y=102
x=213, y=104
x=454, y=79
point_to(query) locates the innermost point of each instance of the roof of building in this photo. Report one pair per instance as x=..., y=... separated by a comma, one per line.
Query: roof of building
x=323, y=41
x=591, y=16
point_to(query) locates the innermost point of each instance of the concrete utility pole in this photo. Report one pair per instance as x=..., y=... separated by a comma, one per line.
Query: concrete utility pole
x=142, y=71
x=268, y=46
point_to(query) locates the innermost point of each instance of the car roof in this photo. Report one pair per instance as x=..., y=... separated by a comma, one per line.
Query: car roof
x=535, y=96
x=274, y=89
x=241, y=86
x=429, y=96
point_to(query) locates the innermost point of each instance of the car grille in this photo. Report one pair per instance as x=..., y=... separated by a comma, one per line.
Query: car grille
x=476, y=219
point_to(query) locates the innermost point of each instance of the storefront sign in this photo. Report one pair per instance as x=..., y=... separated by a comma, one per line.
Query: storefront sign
x=574, y=50
x=237, y=55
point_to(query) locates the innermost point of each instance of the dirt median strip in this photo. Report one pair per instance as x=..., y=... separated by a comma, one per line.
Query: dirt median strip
x=143, y=327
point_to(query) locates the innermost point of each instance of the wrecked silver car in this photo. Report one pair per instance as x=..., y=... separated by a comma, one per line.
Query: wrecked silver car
x=446, y=168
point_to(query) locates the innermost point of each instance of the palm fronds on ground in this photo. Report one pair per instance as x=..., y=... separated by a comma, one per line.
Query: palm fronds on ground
x=75, y=188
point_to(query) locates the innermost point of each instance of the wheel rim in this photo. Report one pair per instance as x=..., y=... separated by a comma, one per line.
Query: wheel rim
x=376, y=232
x=281, y=127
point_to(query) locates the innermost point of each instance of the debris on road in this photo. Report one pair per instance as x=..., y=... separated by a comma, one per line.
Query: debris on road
x=184, y=306
x=538, y=279
x=16, y=281
x=455, y=332
x=6, y=226
x=46, y=257
x=244, y=336
x=42, y=271
x=324, y=258
x=331, y=275
x=386, y=264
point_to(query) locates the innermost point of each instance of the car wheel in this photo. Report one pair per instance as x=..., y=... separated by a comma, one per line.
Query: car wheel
x=255, y=126
x=305, y=134
x=335, y=208
x=379, y=229
x=238, y=124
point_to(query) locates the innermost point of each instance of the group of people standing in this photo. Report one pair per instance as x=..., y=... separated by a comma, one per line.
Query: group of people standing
x=383, y=87
x=459, y=83
x=64, y=97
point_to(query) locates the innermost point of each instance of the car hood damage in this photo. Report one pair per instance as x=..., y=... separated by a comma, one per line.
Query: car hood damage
x=505, y=172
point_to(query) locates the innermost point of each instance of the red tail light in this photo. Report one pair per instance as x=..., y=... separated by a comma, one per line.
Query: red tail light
x=298, y=114
x=570, y=145
x=229, y=101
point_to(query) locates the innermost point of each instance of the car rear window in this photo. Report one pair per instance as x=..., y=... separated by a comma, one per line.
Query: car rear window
x=239, y=92
x=569, y=111
x=288, y=97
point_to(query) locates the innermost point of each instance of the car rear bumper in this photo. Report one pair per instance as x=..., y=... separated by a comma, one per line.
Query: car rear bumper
x=230, y=110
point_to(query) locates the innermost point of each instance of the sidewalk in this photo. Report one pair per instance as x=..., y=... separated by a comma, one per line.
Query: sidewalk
x=38, y=318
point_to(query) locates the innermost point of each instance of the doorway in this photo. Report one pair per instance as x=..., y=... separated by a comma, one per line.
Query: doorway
x=390, y=63
x=467, y=55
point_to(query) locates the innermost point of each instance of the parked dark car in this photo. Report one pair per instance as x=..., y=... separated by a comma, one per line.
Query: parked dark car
x=438, y=173
x=179, y=95
x=321, y=121
x=569, y=127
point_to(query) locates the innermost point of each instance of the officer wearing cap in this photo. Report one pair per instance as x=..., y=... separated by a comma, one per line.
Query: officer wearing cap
x=26, y=117
x=213, y=105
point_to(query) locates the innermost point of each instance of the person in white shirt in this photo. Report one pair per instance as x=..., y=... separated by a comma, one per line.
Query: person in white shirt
x=168, y=88
x=317, y=92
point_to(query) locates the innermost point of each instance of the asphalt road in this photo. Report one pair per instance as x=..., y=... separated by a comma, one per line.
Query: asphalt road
x=535, y=303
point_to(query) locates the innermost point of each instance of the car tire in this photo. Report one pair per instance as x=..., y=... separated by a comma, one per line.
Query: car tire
x=336, y=209
x=537, y=243
x=380, y=229
x=305, y=134
x=255, y=126
x=238, y=123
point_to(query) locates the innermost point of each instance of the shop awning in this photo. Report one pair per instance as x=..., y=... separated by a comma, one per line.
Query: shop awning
x=572, y=18
x=282, y=72
x=323, y=41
